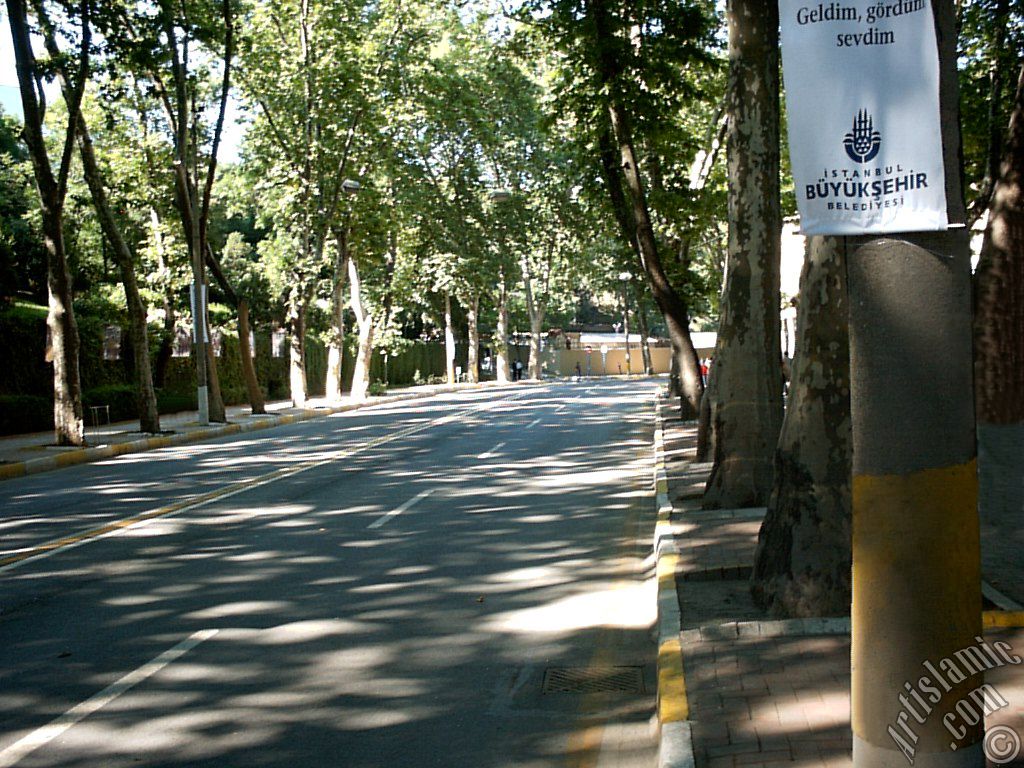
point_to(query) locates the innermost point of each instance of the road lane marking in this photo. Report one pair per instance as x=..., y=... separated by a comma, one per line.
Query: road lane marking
x=64, y=543
x=533, y=423
x=20, y=749
x=490, y=454
x=386, y=517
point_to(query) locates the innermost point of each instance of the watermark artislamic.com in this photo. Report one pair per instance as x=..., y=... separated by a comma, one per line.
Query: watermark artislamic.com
x=1002, y=744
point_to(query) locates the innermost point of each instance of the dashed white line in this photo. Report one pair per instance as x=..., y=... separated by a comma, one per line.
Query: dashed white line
x=387, y=516
x=490, y=454
x=533, y=423
x=13, y=754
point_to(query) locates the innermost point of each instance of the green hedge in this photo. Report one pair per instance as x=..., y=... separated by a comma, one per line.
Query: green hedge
x=26, y=379
x=25, y=413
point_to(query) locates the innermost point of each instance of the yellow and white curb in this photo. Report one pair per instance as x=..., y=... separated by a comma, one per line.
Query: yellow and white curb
x=675, y=749
x=86, y=455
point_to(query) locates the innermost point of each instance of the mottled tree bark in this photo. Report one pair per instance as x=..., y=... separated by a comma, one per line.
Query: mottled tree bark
x=69, y=426
x=746, y=392
x=999, y=339
x=248, y=355
x=145, y=394
x=218, y=413
x=535, y=307
x=166, y=348
x=803, y=560
x=449, y=340
x=473, y=339
x=501, y=361
x=636, y=227
x=364, y=324
x=645, y=331
x=297, y=383
x=336, y=345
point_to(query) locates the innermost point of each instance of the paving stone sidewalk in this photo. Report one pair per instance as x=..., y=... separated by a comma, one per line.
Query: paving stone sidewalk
x=765, y=692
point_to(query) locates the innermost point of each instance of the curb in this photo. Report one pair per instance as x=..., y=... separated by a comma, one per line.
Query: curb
x=675, y=748
x=87, y=455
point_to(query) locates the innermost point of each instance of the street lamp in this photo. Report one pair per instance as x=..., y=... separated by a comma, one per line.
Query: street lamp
x=624, y=278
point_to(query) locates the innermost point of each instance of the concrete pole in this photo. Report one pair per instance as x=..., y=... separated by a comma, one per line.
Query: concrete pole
x=916, y=553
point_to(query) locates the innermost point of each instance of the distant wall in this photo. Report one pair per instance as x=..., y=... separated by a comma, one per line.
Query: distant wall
x=562, y=362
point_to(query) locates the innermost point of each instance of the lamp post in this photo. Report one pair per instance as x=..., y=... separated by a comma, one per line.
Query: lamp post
x=624, y=278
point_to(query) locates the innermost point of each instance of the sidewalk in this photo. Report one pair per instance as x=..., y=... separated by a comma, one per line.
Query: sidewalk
x=765, y=692
x=31, y=453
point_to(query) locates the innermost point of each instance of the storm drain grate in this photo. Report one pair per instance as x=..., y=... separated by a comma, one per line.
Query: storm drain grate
x=593, y=680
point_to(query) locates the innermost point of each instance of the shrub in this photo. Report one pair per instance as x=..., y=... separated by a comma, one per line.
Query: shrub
x=377, y=389
x=174, y=402
x=25, y=413
x=120, y=398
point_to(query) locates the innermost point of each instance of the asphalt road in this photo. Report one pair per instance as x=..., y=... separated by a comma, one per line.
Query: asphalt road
x=406, y=585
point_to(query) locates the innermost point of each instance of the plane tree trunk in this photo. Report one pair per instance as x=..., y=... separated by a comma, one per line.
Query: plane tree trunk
x=69, y=426
x=248, y=354
x=998, y=335
x=449, y=340
x=473, y=339
x=145, y=393
x=501, y=351
x=803, y=560
x=336, y=345
x=297, y=348
x=364, y=324
x=746, y=391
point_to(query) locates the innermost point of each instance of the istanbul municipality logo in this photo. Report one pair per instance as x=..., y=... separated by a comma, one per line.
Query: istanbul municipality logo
x=863, y=142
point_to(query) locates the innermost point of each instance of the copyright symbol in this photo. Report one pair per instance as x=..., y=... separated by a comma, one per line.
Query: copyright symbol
x=1002, y=744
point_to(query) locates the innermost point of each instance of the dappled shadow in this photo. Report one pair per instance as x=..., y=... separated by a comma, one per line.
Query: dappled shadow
x=765, y=700
x=422, y=641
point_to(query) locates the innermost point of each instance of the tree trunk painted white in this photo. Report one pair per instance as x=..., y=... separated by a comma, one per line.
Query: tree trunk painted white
x=297, y=350
x=364, y=323
x=473, y=334
x=746, y=391
x=449, y=340
x=803, y=560
x=501, y=360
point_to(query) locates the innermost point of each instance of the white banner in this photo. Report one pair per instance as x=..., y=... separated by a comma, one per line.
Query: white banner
x=862, y=96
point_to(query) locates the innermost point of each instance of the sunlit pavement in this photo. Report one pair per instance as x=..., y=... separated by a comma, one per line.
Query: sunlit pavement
x=401, y=592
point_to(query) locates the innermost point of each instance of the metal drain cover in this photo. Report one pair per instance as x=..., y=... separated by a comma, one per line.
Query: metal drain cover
x=593, y=680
